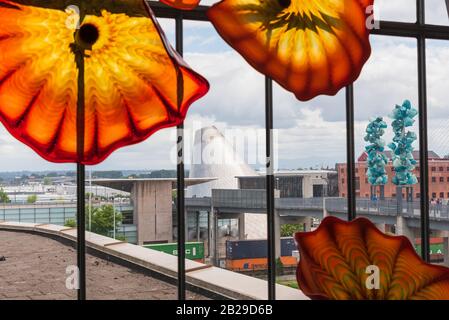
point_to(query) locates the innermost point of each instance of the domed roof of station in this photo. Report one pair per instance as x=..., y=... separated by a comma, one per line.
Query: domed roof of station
x=214, y=156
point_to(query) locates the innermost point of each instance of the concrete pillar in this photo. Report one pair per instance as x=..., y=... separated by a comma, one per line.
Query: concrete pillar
x=404, y=230
x=241, y=218
x=277, y=233
x=307, y=222
x=189, y=234
x=198, y=226
x=307, y=187
x=399, y=200
x=381, y=227
x=213, y=236
x=325, y=213
x=153, y=211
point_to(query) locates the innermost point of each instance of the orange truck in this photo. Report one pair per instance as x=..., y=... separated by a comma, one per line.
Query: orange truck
x=251, y=255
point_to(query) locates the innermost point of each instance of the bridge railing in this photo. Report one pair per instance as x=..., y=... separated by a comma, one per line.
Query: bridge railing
x=239, y=198
x=255, y=199
x=198, y=202
x=439, y=211
x=387, y=207
x=304, y=203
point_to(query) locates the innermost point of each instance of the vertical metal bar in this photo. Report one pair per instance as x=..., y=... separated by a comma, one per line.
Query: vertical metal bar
x=90, y=201
x=80, y=190
x=423, y=137
x=79, y=52
x=350, y=152
x=81, y=229
x=180, y=178
x=270, y=189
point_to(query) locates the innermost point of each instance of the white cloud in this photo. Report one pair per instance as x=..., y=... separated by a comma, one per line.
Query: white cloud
x=397, y=10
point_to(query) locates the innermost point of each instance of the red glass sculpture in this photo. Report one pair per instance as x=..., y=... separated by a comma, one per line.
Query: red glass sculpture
x=134, y=82
x=336, y=261
x=182, y=4
x=310, y=47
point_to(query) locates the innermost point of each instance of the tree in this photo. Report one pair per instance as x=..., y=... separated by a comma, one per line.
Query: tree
x=52, y=174
x=32, y=198
x=288, y=230
x=4, y=198
x=102, y=220
x=377, y=175
x=89, y=194
x=71, y=223
x=279, y=267
x=108, y=174
x=403, y=161
x=47, y=181
x=162, y=174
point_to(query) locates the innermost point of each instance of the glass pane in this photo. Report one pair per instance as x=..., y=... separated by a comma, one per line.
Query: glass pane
x=130, y=199
x=225, y=131
x=311, y=143
x=398, y=10
x=437, y=12
x=438, y=115
x=168, y=27
x=33, y=266
x=388, y=79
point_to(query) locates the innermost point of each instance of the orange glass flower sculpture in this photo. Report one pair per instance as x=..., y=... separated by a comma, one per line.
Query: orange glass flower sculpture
x=182, y=4
x=310, y=47
x=134, y=82
x=338, y=258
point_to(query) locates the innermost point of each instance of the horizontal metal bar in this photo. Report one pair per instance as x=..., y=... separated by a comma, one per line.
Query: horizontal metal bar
x=412, y=30
x=388, y=28
x=164, y=11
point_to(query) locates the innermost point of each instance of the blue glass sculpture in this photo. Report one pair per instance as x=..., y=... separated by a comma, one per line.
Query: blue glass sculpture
x=377, y=175
x=403, y=161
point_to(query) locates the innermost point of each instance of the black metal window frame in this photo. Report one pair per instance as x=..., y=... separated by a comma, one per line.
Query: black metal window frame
x=418, y=30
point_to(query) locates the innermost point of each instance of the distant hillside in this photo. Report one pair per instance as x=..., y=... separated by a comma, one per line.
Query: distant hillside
x=22, y=177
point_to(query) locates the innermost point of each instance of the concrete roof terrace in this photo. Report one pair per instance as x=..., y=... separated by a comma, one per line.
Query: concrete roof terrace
x=34, y=267
x=36, y=263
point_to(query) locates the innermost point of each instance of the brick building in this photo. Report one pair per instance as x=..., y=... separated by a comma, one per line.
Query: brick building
x=438, y=177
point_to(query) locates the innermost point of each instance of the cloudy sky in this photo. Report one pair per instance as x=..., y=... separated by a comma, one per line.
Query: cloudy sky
x=309, y=133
